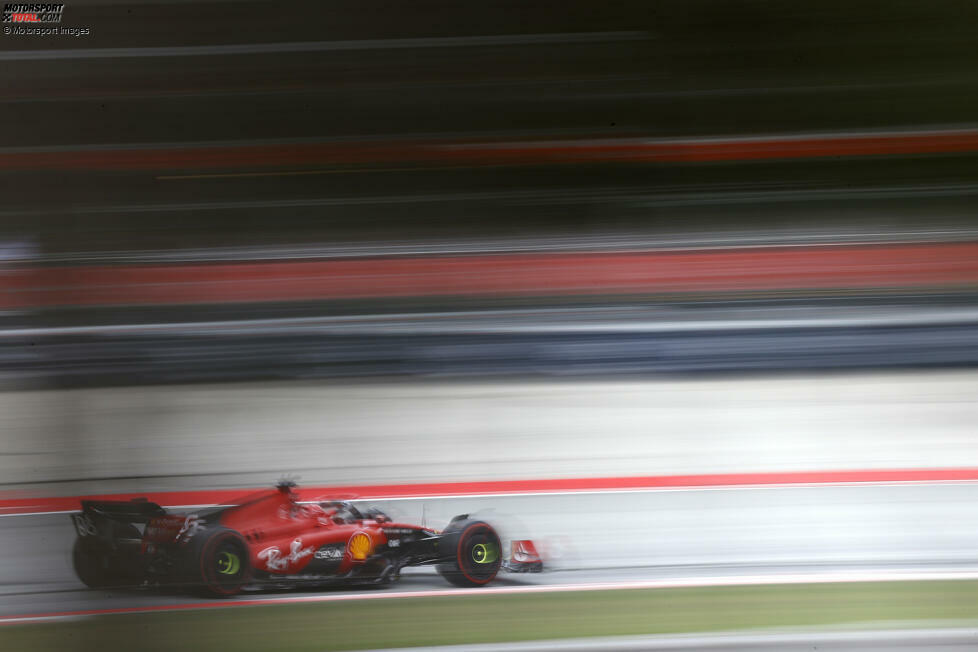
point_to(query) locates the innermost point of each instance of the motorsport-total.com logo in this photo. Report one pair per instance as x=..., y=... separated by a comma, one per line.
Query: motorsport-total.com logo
x=37, y=19
x=26, y=12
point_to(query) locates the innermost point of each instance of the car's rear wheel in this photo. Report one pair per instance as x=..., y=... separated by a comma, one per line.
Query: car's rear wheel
x=92, y=563
x=99, y=564
x=473, y=553
x=219, y=563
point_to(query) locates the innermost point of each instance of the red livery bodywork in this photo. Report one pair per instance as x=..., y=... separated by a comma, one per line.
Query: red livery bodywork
x=272, y=537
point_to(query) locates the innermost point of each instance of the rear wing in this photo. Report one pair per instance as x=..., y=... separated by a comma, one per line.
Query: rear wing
x=101, y=518
x=137, y=510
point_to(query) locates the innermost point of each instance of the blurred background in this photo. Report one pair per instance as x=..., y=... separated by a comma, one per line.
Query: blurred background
x=460, y=189
x=381, y=242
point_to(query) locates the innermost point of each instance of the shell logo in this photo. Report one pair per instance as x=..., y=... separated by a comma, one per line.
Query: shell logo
x=359, y=546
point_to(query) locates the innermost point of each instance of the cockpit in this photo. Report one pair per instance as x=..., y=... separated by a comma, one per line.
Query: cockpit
x=342, y=511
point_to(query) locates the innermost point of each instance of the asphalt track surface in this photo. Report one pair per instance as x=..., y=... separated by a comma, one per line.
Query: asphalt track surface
x=738, y=535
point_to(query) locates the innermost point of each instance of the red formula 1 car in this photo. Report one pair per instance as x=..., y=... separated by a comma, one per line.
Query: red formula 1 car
x=272, y=538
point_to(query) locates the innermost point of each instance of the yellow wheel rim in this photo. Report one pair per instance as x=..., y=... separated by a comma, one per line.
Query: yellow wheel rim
x=228, y=563
x=483, y=554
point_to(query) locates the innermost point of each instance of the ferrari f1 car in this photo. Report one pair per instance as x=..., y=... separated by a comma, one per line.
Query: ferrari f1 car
x=271, y=538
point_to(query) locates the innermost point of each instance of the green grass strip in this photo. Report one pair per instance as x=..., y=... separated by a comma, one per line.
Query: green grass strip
x=498, y=618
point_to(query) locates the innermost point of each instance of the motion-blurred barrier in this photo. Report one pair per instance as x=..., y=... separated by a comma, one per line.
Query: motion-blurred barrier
x=238, y=353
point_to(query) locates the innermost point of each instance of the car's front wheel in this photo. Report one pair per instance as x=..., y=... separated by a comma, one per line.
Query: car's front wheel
x=473, y=553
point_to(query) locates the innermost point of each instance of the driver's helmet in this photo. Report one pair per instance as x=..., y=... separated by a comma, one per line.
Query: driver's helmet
x=377, y=515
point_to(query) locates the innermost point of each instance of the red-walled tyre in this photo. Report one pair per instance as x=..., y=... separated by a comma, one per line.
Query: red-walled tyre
x=98, y=565
x=218, y=563
x=92, y=563
x=473, y=553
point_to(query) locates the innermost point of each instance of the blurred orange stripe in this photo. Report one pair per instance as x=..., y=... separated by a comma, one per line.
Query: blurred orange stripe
x=238, y=156
x=813, y=267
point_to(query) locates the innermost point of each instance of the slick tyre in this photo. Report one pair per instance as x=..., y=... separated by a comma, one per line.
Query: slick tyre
x=218, y=563
x=473, y=553
x=92, y=563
